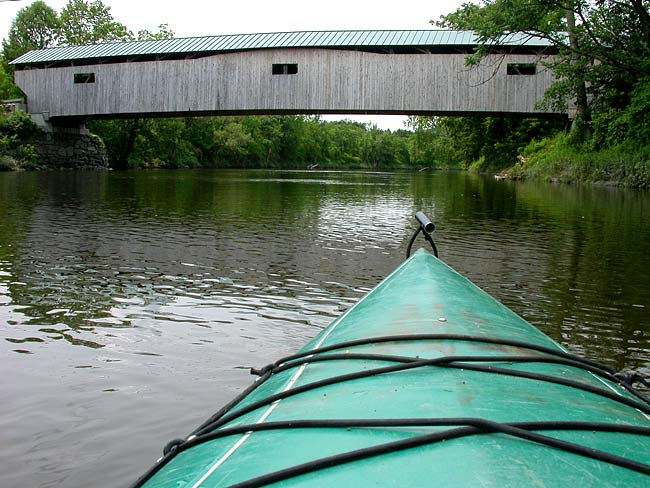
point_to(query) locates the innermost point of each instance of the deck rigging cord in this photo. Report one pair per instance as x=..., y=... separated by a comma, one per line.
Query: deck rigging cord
x=625, y=380
x=479, y=427
x=433, y=337
x=460, y=362
x=464, y=427
x=213, y=428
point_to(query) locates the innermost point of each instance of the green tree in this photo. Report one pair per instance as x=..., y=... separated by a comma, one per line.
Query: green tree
x=119, y=137
x=605, y=54
x=163, y=142
x=383, y=149
x=308, y=142
x=266, y=133
x=164, y=32
x=492, y=143
x=8, y=89
x=467, y=137
x=232, y=142
x=34, y=27
x=293, y=129
x=199, y=132
x=89, y=22
x=429, y=145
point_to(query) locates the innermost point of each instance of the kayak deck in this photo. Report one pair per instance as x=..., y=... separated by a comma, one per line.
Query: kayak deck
x=426, y=380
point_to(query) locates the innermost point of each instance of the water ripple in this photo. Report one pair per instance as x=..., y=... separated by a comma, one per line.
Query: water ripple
x=128, y=299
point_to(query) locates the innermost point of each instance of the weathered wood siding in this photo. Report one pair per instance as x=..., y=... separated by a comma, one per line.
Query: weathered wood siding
x=328, y=81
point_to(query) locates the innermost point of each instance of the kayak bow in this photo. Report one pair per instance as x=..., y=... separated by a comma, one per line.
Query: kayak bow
x=426, y=380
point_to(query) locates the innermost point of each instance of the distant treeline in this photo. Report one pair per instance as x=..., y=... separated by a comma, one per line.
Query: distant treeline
x=304, y=141
x=290, y=141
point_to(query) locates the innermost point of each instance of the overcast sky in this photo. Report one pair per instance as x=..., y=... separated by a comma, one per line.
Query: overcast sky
x=189, y=18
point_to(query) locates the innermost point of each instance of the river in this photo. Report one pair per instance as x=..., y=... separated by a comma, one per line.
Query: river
x=132, y=304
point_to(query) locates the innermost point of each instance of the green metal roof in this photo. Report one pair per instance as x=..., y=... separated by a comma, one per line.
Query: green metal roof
x=362, y=39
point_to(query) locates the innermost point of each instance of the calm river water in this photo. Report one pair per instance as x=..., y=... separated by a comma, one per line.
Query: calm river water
x=132, y=304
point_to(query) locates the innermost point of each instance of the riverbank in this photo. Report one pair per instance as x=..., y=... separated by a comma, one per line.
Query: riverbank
x=24, y=146
x=554, y=160
x=307, y=143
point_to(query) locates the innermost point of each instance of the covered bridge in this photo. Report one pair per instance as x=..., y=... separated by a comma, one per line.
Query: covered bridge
x=350, y=72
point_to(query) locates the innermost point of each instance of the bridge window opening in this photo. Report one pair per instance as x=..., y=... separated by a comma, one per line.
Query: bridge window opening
x=285, y=69
x=83, y=78
x=522, y=69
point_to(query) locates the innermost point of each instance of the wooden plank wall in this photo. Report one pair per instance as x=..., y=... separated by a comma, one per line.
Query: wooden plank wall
x=328, y=81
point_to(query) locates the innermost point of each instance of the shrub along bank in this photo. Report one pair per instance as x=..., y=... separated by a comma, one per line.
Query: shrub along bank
x=615, y=151
x=17, y=131
x=557, y=160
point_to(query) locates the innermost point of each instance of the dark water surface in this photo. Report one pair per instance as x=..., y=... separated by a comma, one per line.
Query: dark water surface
x=132, y=304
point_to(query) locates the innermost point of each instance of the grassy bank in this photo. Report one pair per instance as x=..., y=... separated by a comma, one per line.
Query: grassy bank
x=558, y=160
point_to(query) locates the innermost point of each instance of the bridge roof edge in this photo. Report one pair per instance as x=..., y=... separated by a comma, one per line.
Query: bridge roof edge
x=350, y=39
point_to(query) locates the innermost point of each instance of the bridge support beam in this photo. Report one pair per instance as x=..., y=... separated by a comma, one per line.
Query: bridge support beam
x=71, y=125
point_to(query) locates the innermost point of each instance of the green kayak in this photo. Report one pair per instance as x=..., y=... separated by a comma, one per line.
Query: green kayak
x=426, y=381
